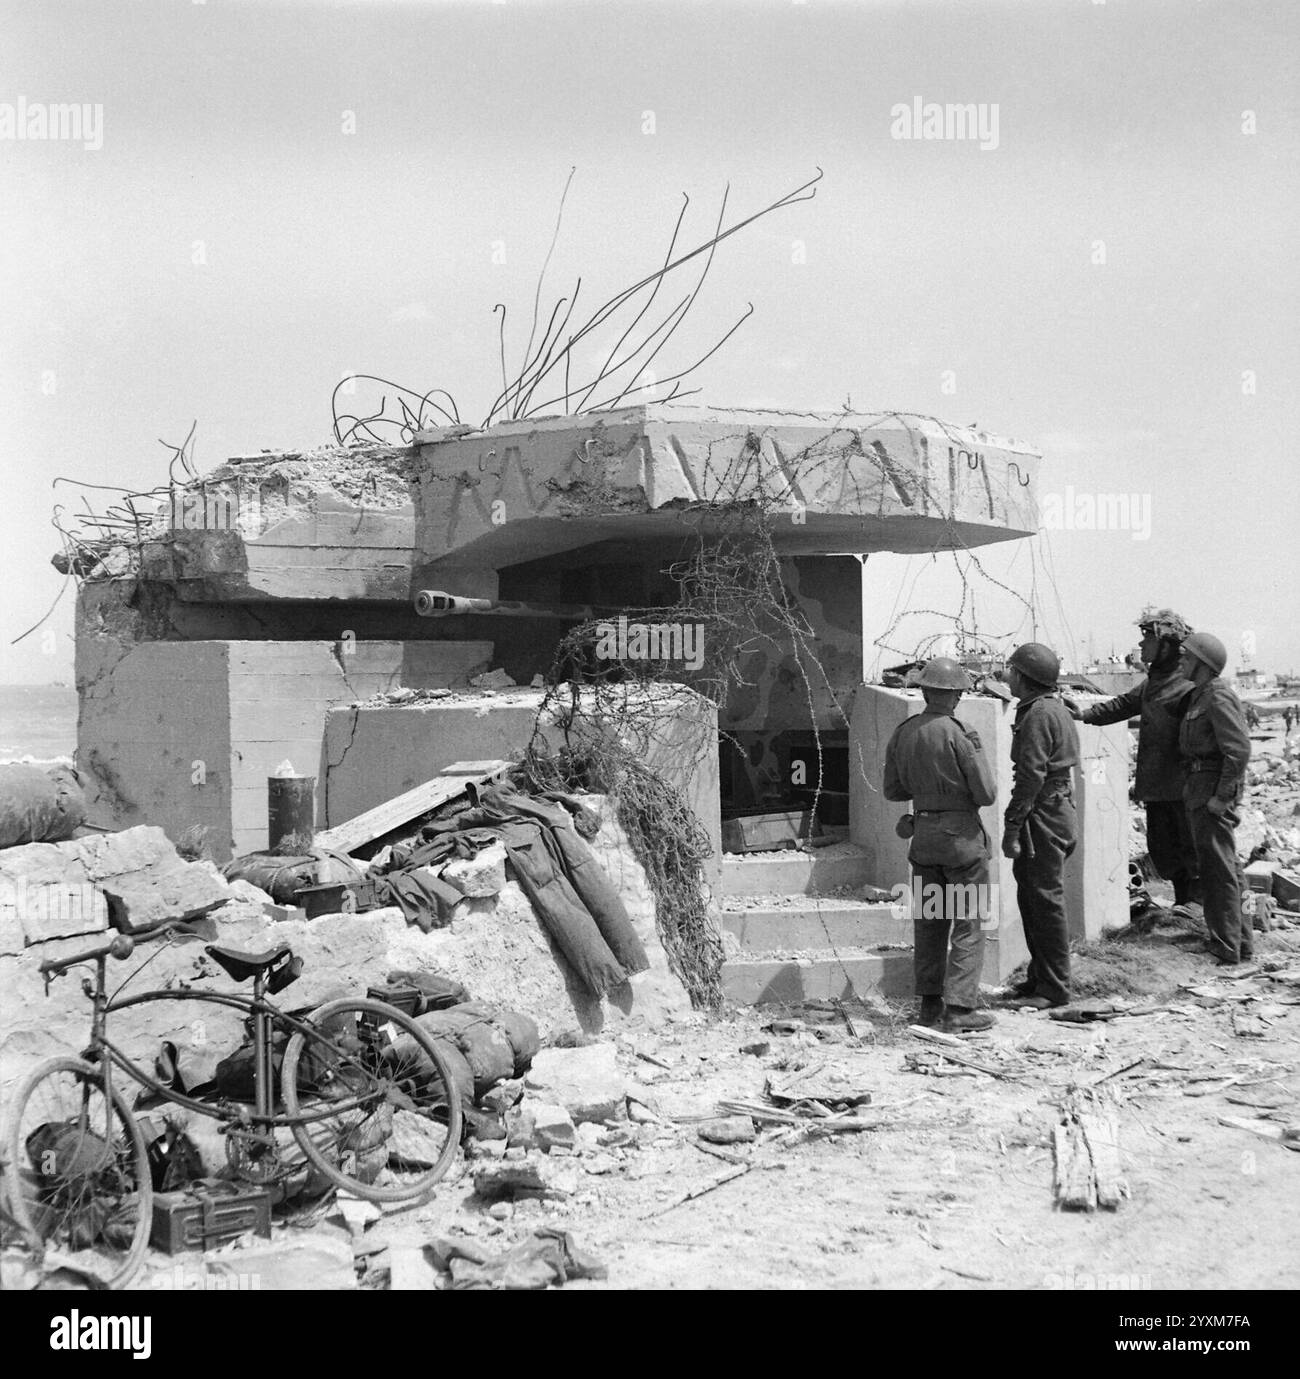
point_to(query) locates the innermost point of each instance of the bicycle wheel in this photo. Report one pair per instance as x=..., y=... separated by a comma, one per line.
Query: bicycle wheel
x=79, y=1172
x=401, y=1115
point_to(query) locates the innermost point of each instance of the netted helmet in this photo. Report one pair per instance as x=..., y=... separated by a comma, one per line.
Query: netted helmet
x=1164, y=622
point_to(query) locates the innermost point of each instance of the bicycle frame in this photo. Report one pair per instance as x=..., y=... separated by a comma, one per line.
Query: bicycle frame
x=264, y=1017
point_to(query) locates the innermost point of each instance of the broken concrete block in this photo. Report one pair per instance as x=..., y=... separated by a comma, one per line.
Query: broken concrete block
x=588, y=1136
x=46, y=893
x=532, y=1176
x=587, y=1082
x=502, y=1097
x=36, y=912
x=552, y=1126
x=479, y=876
x=727, y=1130
x=494, y=679
x=145, y=880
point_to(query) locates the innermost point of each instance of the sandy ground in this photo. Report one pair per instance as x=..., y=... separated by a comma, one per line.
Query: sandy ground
x=954, y=1190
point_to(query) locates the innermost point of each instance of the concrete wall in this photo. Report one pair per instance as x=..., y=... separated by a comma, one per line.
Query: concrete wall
x=184, y=734
x=371, y=753
x=1097, y=874
x=154, y=734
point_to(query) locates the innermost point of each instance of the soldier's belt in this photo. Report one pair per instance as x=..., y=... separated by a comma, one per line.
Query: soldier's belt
x=1205, y=764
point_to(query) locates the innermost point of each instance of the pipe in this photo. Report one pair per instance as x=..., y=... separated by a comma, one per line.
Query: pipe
x=434, y=603
x=290, y=812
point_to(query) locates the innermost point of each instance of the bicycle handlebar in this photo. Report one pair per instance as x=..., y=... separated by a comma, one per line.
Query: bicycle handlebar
x=119, y=946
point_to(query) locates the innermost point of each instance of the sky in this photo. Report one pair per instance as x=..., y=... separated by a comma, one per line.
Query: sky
x=275, y=194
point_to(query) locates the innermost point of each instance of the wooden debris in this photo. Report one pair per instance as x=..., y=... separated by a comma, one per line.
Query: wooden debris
x=1266, y=1129
x=1086, y=1146
x=935, y=1036
x=758, y=1111
x=1119, y=1072
x=1267, y=1096
x=967, y=1273
x=717, y=1181
x=402, y=809
x=824, y=1081
x=725, y=1154
x=1087, y=1012
x=855, y=1028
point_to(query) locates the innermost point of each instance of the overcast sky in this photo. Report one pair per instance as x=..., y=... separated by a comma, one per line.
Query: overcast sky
x=287, y=192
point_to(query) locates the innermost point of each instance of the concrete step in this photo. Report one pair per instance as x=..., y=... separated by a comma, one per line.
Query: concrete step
x=797, y=923
x=756, y=979
x=795, y=873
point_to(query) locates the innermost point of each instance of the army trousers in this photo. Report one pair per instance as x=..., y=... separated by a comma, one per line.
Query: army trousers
x=1222, y=879
x=950, y=900
x=1047, y=838
x=1172, y=848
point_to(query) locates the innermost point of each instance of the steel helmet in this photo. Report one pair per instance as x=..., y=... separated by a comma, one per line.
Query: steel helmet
x=1164, y=622
x=1207, y=649
x=943, y=673
x=1040, y=663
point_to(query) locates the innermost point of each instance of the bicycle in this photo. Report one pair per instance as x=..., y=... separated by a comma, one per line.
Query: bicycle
x=362, y=1089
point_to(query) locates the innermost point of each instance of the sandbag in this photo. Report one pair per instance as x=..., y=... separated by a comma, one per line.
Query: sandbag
x=39, y=806
x=522, y=1032
x=405, y=1049
x=282, y=877
x=486, y=1048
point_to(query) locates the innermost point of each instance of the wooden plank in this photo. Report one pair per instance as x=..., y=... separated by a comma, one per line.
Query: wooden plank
x=1086, y=1152
x=1101, y=1136
x=394, y=813
x=1075, y=1187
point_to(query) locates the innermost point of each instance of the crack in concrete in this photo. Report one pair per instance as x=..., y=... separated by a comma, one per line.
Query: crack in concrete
x=333, y=765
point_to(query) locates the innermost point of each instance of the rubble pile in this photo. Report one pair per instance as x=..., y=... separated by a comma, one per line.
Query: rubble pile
x=1272, y=818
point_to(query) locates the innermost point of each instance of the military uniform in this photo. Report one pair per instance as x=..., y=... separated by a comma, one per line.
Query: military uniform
x=1160, y=701
x=1216, y=747
x=936, y=762
x=1044, y=753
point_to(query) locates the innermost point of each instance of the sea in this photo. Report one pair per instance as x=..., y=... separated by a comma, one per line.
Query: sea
x=37, y=722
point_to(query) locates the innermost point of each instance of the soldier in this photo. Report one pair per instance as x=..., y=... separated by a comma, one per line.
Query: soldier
x=935, y=761
x=1160, y=702
x=1215, y=747
x=1040, y=829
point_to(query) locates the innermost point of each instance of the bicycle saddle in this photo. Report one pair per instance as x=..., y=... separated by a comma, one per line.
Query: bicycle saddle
x=243, y=966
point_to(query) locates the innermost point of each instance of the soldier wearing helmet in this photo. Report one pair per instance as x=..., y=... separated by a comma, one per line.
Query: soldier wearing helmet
x=936, y=762
x=1158, y=702
x=1215, y=747
x=1040, y=829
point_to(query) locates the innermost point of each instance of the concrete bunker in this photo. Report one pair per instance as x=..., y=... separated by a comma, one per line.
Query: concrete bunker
x=206, y=658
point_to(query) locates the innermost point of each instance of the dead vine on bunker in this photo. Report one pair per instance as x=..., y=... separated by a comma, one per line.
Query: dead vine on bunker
x=625, y=726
